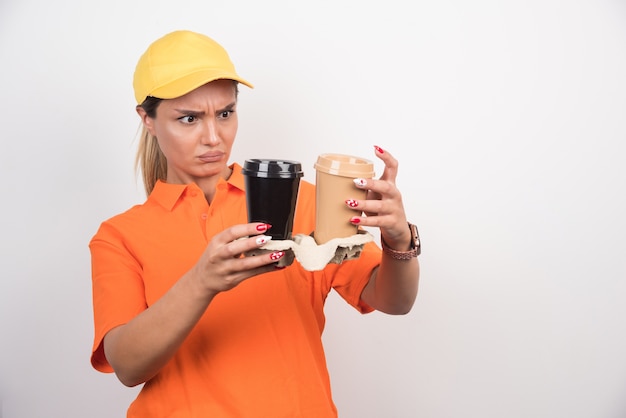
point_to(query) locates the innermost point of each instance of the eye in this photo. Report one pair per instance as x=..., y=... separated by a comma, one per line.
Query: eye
x=225, y=114
x=187, y=119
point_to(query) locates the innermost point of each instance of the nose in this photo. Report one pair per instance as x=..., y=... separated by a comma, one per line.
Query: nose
x=210, y=136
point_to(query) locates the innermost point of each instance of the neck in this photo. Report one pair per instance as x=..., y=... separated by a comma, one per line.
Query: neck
x=209, y=184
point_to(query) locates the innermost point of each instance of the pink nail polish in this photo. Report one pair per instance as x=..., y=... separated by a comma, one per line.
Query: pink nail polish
x=355, y=220
x=379, y=149
x=263, y=227
x=277, y=255
x=352, y=203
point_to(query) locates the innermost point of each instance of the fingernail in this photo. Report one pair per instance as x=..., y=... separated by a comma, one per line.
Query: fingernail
x=360, y=182
x=262, y=239
x=379, y=149
x=352, y=203
x=355, y=220
x=263, y=227
x=277, y=267
x=277, y=255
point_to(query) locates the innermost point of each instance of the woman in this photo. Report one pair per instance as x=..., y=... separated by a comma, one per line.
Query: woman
x=173, y=307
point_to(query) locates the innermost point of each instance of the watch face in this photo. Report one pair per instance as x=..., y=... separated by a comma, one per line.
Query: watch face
x=416, y=238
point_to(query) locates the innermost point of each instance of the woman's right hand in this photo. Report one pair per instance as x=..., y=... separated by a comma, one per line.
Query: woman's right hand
x=138, y=349
x=222, y=266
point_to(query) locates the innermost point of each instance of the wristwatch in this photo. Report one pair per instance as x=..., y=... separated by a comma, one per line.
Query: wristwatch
x=416, y=246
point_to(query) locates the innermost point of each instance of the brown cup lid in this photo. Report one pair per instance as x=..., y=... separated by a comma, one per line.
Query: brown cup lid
x=345, y=166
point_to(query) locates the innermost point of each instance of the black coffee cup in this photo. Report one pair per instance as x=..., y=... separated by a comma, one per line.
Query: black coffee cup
x=271, y=194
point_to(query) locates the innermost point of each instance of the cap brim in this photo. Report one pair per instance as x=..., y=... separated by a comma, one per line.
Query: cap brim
x=192, y=81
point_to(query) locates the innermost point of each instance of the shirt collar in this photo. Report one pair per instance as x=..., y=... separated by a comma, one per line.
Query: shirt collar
x=167, y=195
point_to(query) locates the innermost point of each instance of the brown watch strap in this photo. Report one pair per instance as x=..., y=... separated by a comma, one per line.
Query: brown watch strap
x=404, y=255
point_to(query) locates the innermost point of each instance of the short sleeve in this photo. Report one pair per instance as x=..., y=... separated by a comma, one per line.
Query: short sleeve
x=350, y=277
x=117, y=288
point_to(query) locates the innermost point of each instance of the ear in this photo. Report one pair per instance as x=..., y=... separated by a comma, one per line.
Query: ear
x=147, y=121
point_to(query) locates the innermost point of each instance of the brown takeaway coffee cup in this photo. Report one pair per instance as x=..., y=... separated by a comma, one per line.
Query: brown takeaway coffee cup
x=334, y=184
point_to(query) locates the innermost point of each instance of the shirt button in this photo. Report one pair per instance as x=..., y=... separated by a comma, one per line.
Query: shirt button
x=204, y=216
x=194, y=193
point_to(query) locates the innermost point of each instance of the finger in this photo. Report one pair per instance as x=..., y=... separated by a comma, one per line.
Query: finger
x=371, y=207
x=254, y=265
x=373, y=221
x=259, y=241
x=242, y=245
x=379, y=187
x=391, y=164
x=240, y=269
x=236, y=232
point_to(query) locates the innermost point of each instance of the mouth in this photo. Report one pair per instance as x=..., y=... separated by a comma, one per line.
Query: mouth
x=211, y=157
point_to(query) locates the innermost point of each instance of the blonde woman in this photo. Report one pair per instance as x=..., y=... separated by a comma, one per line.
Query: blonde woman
x=210, y=333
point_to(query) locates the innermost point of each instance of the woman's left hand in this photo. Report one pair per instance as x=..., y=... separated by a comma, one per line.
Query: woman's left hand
x=383, y=206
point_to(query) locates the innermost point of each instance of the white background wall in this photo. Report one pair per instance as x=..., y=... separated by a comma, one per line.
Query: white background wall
x=508, y=119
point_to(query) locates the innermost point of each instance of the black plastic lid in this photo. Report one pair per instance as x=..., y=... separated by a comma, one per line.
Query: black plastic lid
x=275, y=169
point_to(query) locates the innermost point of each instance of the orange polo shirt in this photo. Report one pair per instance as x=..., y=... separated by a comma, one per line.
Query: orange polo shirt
x=257, y=350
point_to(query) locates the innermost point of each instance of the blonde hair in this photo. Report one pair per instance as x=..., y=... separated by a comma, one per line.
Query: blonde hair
x=150, y=159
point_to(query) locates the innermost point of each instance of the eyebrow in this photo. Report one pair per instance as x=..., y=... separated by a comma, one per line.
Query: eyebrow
x=196, y=112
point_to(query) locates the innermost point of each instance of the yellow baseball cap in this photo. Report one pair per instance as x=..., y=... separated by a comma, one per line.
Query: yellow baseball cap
x=180, y=62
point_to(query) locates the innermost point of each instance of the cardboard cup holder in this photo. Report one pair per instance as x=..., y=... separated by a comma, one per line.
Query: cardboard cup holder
x=313, y=256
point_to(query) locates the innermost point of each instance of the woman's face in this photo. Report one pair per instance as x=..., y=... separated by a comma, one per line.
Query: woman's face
x=196, y=131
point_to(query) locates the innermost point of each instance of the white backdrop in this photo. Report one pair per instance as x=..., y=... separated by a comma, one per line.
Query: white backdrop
x=508, y=119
